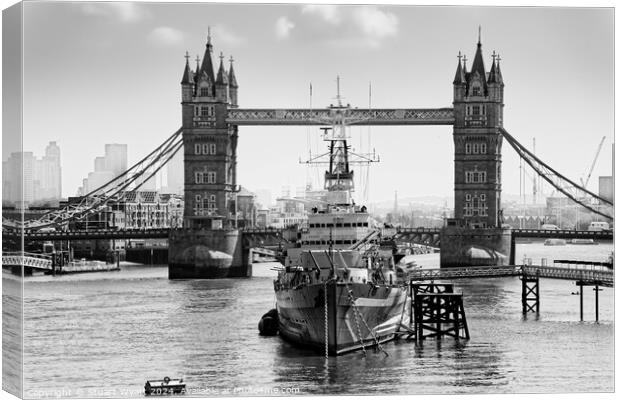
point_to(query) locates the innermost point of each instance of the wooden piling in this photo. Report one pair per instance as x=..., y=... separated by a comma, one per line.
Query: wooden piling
x=580, y=283
x=438, y=312
x=596, y=290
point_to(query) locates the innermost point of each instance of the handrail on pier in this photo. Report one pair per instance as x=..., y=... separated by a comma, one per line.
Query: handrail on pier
x=600, y=276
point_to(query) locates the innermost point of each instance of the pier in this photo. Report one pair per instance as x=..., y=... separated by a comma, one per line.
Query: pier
x=583, y=273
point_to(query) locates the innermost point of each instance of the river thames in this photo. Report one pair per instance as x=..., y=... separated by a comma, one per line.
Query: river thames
x=104, y=334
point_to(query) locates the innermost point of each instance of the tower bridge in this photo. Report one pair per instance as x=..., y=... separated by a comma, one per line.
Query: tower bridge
x=210, y=245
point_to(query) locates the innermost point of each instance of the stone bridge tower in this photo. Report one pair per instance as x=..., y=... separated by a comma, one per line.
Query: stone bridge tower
x=475, y=236
x=209, y=143
x=478, y=110
x=209, y=245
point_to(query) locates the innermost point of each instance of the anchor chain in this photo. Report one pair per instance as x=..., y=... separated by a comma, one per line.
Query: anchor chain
x=357, y=324
x=374, y=337
x=357, y=312
x=326, y=319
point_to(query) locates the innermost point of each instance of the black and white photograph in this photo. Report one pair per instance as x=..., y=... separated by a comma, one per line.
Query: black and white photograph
x=233, y=199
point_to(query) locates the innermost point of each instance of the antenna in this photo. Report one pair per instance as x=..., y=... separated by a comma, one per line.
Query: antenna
x=338, y=97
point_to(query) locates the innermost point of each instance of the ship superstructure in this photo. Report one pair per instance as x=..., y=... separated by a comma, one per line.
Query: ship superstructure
x=336, y=221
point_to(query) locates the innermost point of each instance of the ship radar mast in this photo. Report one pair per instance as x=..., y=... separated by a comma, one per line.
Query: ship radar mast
x=339, y=177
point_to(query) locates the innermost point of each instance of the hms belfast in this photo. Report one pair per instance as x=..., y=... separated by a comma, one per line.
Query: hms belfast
x=340, y=290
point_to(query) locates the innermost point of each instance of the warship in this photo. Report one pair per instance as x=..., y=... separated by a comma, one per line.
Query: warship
x=341, y=289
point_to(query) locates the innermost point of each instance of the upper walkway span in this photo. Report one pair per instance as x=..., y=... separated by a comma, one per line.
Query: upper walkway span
x=352, y=116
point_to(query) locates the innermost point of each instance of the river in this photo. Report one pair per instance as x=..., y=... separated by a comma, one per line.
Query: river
x=104, y=334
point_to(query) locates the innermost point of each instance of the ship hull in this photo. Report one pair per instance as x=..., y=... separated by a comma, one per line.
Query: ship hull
x=302, y=315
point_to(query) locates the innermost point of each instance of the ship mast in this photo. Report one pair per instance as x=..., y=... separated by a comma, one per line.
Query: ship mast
x=339, y=176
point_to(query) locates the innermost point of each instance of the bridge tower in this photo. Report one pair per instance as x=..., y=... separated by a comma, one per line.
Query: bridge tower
x=478, y=111
x=475, y=235
x=209, y=143
x=209, y=245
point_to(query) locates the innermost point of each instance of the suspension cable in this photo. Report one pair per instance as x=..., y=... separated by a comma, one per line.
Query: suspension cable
x=538, y=165
x=99, y=197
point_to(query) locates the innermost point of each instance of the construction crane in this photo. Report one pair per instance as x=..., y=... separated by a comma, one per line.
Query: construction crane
x=598, y=151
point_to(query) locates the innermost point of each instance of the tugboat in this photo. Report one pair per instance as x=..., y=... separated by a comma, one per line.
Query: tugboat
x=341, y=290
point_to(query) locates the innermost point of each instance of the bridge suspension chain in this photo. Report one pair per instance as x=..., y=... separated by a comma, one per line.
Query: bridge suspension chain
x=570, y=189
x=115, y=189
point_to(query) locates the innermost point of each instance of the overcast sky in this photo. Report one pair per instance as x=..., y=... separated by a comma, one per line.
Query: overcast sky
x=99, y=73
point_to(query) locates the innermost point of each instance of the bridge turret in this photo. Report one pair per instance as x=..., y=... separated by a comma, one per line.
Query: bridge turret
x=478, y=106
x=495, y=82
x=221, y=83
x=232, y=85
x=207, y=64
x=187, y=93
x=187, y=82
x=460, y=85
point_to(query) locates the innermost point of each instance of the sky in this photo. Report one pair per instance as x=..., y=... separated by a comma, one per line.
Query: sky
x=97, y=73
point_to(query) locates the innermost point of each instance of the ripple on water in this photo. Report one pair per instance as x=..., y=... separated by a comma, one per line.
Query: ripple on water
x=124, y=329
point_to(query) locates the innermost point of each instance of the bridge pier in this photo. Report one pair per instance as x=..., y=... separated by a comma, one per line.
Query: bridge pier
x=462, y=246
x=207, y=253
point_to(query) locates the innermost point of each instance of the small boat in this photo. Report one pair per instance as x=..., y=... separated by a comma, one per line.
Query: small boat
x=164, y=387
x=583, y=241
x=555, y=242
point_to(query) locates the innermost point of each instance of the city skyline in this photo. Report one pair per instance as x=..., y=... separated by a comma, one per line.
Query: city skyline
x=41, y=177
x=558, y=78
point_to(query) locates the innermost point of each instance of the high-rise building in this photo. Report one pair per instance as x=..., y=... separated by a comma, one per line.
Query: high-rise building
x=116, y=158
x=174, y=171
x=108, y=167
x=48, y=174
x=100, y=164
x=12, y=182
x=24, y=177
x=606, y=187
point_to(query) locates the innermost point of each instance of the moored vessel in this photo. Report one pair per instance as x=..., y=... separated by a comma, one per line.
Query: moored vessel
x=583, y=241
x=555, y=242
x=340, y=290
x=340, y=301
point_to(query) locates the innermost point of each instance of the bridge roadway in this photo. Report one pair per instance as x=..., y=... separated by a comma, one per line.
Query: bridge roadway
x=101, y=234
x=528, y=233
x=162, y=233
x=588, y=274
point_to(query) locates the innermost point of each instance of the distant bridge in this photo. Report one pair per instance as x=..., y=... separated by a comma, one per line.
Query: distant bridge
x=424, y=236
x=562, y=234
x=31, y=260
x=431, y=236
x=151, y=233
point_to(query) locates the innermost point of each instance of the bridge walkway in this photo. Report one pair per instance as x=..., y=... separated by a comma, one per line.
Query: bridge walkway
x=587, y=273
x=32, y=260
